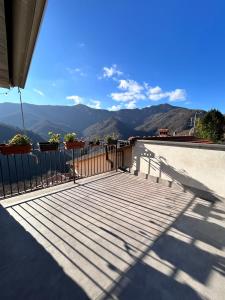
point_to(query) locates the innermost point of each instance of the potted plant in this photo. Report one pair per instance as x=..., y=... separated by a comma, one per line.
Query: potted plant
x=111, y=139
x=95, y=142
x=19, y=144
x=71, y=142
x=52, y=144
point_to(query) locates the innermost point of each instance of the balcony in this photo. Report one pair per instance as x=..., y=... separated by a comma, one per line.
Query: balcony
x=113, y=236
x=80, y=224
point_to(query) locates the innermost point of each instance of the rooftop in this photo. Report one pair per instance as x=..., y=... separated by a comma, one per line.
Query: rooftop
x=112, y=236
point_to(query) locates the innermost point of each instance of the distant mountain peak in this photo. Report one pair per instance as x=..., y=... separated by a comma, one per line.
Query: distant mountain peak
x=87, y=121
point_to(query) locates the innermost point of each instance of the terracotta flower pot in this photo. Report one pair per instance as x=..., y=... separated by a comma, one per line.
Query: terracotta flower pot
x=46, y=146
x=74, y=145
x=7, y=149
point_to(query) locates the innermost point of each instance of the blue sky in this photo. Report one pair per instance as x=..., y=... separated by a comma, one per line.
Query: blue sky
x=116, y=54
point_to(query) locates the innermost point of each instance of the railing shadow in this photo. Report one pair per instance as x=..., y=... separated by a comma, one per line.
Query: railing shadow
x=112, y=233
x=197, y=263
x=146, y=282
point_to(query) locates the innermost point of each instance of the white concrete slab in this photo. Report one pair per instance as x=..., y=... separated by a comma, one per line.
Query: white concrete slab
x=113, y=236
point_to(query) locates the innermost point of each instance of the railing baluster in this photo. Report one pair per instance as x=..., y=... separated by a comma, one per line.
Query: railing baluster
x=56, y=179
x=40, y=159
x=77, y=158
x=51, y=171
x=17, y=179
x=36, y=169
x=36, y=178
x=24, y=177
x=73, y=166
x=2, y=179
x=80, y=162
x=9, y=173
x=100, y=163
x=104, y=161
x=46, y=167
x=91, y=154
x=64, y=162
x=88, y=159
x=60, y=165
x=94, y=159
x=116, y=159
x=28, y=160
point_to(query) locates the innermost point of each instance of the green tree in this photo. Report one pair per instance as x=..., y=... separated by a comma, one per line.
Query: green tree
x=211, y=126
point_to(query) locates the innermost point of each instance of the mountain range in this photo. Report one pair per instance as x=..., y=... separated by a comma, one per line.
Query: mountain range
x=8, y=131
x=89, y=122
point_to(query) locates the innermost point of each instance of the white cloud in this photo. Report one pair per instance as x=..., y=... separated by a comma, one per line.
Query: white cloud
x=76, y=99
x=95, y=104
x=156, y=94
x=130, y=85
x=132, y=91
x=157, y=97
x=178, y=95
x=114, y=107
x=111, y=71
x=155, y=90
x=39, y=92
x=131, y=105
x=127, y=96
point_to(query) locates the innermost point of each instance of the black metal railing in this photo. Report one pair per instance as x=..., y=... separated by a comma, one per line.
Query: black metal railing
x=21, y=173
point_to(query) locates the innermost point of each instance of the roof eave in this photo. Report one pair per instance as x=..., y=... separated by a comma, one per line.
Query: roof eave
x=21, y=21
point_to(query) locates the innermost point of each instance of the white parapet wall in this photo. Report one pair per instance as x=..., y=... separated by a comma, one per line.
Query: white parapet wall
x=198, y=166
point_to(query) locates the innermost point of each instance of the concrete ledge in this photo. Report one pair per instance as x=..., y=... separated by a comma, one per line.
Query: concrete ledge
x=216, y=147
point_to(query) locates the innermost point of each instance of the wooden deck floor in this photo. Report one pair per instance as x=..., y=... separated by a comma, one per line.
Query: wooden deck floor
x=115, y=236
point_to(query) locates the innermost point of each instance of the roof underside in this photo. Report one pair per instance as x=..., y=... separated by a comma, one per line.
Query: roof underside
x=19, y=25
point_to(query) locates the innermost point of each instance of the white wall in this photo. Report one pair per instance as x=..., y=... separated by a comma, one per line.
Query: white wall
x=195, y=165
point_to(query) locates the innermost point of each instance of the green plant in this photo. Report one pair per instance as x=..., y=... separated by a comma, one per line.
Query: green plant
x=211, y=126
x=70, y=137
x=96, y=141
x=19, y=139
x=54, y=137
x=110, y=138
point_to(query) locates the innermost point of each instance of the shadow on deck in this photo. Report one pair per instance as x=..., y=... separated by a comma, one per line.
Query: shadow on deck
x=116, y=237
